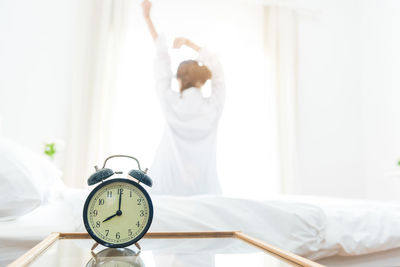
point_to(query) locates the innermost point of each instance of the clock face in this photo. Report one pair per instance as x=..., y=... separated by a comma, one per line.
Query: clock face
x=118, y=212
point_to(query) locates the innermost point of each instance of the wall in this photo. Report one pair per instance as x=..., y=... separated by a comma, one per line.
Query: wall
x=348, y=136
x=381, y=87
x=329, y=102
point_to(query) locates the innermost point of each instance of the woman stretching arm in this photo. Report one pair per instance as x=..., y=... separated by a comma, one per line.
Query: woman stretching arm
x=185, y=162
x=146, y=6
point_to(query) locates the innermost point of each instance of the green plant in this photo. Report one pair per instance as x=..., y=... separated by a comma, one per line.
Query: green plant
x=50, y=149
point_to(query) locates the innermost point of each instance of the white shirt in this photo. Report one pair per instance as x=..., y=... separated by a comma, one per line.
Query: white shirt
x=185, y=162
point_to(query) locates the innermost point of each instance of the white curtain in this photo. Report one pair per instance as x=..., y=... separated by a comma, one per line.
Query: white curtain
x=281, y=52
x=100, y=28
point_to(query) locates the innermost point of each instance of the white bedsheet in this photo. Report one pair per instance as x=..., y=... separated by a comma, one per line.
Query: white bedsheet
x=355, y=227
x=379, y=259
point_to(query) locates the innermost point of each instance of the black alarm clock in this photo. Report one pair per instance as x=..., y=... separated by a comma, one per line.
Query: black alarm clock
x=119, y=211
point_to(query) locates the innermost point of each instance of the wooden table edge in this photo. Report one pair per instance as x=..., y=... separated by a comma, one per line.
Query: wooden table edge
x=277, y=251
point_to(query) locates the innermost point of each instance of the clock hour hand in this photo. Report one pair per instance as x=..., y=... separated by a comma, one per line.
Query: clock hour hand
x=112, y=216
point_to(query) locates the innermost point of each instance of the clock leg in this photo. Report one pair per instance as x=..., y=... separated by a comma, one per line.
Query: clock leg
x=94, y=246
x=138, y=246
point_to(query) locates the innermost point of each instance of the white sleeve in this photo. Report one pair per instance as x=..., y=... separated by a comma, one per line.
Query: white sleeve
x=162, y=71
x=210, y=60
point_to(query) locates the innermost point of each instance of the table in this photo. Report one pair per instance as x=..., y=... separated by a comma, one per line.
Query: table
x=166, y=249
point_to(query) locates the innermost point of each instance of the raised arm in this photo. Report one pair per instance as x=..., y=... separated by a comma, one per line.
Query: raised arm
x=146, y=7
x=162, y=62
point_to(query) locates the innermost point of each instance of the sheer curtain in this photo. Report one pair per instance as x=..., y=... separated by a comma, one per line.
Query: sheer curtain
x=281, y=49
x=100, y=28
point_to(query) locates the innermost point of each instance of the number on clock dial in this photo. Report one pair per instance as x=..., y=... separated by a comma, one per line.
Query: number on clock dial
x=105, y=204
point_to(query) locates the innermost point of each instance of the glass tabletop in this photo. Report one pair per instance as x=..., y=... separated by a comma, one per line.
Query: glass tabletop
x=156, y=252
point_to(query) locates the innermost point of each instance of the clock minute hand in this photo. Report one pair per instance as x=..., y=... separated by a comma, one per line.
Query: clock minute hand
x=120, y=196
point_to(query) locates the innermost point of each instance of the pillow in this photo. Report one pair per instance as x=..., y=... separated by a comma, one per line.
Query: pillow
x=26, y=179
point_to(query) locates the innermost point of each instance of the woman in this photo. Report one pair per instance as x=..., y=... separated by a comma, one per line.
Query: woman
x=185, y=163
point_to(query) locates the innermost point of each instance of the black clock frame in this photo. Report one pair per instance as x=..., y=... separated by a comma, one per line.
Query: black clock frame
x=100, y=186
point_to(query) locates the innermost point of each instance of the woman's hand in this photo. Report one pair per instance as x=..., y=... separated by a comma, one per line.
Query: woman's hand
x=146, y=7
x=179, y=41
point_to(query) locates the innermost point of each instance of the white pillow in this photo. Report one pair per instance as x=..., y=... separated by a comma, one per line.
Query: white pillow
x=26, y=180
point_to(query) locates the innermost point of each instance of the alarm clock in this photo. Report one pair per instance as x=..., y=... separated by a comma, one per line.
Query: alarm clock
x=118, y=212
